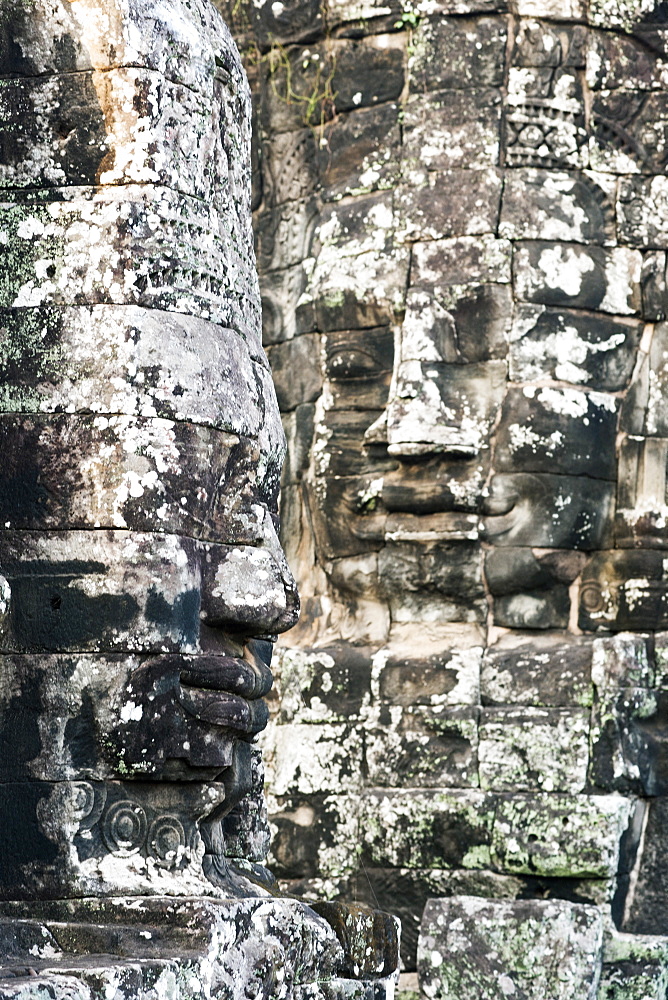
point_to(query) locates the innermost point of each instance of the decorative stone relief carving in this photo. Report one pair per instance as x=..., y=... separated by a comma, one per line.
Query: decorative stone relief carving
x=474, y=499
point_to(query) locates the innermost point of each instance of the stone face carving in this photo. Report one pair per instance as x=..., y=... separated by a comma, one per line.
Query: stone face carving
x=474, y=498
x=143, y=579
x=142, y=452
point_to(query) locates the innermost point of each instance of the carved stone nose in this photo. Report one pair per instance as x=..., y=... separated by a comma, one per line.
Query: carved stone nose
x=410, y=429
x=422, y=419
x=251, y=587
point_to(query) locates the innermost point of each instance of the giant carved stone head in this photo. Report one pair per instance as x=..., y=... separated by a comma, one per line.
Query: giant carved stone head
x=468, y=274
x=141, y=449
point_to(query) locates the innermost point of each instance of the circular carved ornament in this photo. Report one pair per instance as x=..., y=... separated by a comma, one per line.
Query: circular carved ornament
x=166, y=841
x=83, y=795
x=87, y=803
x=591, y=598
x=124, y=828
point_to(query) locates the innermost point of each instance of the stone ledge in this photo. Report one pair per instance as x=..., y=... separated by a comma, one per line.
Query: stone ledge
x=269, y=949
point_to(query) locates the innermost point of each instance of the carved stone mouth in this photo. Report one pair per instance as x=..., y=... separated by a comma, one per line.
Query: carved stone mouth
x=445, y=526
x=226, y=690
x=229, y=711
x=194, y=707
x=233, y=675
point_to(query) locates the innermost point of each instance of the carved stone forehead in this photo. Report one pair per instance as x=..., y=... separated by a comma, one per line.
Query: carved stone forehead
x=126, y=211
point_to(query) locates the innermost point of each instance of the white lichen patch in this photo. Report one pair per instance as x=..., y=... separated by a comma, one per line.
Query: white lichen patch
x=304, y=759
x=565, y=269
x=619, y=13
x=526, y=749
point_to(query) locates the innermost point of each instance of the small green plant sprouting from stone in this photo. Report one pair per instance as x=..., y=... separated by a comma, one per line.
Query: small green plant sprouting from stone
x=409, y=18
x=318, y=105
x=116, y=755
x=321, y=95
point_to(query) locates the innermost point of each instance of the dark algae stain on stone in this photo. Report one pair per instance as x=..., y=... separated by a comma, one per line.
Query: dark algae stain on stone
x=25, y=845
x=20, y=737
x=81, y=734
x=51, y=611
x=22, y=492
x=181, y=617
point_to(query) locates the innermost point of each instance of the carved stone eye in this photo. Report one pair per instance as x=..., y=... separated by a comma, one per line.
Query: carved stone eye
x=351, y=363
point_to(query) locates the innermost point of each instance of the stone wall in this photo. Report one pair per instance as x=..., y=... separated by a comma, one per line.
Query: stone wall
x=461, y=222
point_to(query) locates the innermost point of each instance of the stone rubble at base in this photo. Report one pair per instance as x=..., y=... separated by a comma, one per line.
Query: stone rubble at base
x=160, y=948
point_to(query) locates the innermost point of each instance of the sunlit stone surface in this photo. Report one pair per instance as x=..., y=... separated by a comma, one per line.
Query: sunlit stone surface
x=462, y=226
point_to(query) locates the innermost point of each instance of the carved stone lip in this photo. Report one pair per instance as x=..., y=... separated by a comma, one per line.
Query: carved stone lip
x=497, y=526
x=499, y=504
x=443, y=526
x=231, y=674
x=226, y=690
x=229, y=711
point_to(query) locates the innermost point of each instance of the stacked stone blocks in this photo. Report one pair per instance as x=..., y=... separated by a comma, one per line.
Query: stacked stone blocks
x=462, y=243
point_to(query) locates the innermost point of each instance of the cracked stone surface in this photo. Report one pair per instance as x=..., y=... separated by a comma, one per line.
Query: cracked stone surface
x=460, y=213
x=143, y=580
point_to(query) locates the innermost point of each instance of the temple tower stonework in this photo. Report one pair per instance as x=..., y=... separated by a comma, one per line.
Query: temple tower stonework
x=462, y=223
x=143, y=582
